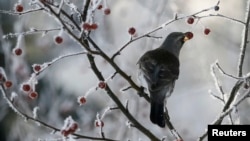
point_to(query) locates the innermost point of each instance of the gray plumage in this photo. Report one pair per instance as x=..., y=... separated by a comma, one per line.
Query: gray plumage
x=160, y=69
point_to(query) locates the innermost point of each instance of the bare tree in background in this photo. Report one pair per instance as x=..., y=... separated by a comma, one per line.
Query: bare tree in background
x=112, y=105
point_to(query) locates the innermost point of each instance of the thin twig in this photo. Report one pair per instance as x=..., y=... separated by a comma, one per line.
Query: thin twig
x=239, y=83
x=30, y=32
x=176, y=18
x=20, y=13
x=223, y=16
x=223, y=72
x=47, y=64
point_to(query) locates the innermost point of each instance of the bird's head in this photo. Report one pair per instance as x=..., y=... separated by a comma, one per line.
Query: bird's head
x=174, y=42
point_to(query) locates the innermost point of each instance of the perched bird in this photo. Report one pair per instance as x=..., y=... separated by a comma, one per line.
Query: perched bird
x=160, y=70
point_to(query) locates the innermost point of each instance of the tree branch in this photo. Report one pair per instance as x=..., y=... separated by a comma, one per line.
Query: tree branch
x=118, y=103
x=27, y=117
x=244, y=40
x=226, y=112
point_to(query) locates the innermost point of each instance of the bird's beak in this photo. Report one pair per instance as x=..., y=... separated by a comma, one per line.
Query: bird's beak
x=185, y=39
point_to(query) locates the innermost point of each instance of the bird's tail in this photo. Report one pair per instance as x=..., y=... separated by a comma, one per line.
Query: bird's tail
x=157, y=113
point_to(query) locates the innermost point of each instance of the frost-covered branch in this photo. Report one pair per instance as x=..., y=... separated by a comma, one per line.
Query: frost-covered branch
x=244, y=41
x=241, y=80
x=27, y=117
x=226, y=112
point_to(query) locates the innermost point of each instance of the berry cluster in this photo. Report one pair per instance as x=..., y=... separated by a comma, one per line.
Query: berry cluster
x=106, y=10
x=89, y=26
x=26, y=87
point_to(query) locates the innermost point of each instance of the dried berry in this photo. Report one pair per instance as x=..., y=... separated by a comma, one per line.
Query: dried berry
x=74, y=126
x=99, y=7
x=131, y=30
x=17, y=51
x=107, y=11
x=93, y=26
x=206, y=31
x=99, y=123
x=190, y=20
x=19, y=8
x=65, y=133
x=102, y=85
x=37, y=67
x=86, y=26
x=82, y=100
x=33, y=95
x=58, y=39
x=8, y=84
x=26, y=87
x=189, y=35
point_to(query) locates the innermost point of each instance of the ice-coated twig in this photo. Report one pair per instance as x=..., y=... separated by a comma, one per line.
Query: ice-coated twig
x=30, y=32
x=228, y=111
x=244, y=40
x=27, y=117
x=21, y=13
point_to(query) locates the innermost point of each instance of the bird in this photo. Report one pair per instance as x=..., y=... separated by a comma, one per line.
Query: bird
x=160, y=69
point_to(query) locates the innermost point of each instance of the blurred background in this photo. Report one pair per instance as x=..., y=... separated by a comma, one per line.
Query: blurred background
x=191, y=107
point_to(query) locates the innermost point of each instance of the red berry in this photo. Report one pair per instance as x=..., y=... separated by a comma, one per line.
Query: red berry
x=99, y=123
x=190, y=20
x=86, y=26
x=8, y=84
x=26, y=87
x=74, y=126
x=99, y=7
x=65, y=133
x=82, y=100
x=206, y=31
x=93, y=26
x=58, y=39
x=19, y=8
x=131, y=30
x=189, y=35
x=107, y=11
x=102, y=85
x=37, y=67
x=33, y=95
x=17, y=51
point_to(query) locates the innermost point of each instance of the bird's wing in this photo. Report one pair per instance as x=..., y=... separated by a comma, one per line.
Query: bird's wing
x=159, y=68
